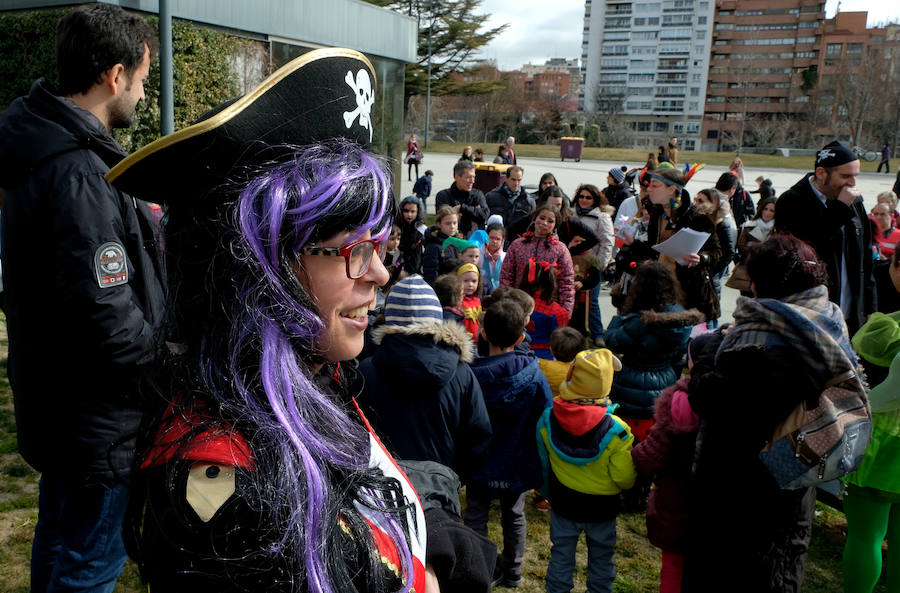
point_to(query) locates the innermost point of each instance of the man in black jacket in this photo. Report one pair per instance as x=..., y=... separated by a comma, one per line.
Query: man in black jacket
x=826, y=210
x=510, y=200
x=84, y=293
x=469, y=203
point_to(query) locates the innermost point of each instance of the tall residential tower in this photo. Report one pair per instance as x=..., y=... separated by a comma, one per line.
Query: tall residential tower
x=646, y=63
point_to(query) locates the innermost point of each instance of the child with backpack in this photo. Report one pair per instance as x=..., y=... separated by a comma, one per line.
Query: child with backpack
x=586, y=457
x=515, y=393
x=540, y=282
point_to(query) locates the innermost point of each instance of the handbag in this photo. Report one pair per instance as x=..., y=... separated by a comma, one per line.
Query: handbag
x=739, y=279
x=821, y=439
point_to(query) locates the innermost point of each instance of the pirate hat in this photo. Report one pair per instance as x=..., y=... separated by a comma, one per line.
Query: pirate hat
x=321, y=95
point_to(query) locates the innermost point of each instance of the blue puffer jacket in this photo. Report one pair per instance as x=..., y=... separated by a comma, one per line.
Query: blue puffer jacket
x=650, y=344
x=516, y=393
x=422, y=399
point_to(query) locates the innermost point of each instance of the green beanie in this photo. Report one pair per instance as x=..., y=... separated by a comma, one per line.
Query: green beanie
x=878, y=341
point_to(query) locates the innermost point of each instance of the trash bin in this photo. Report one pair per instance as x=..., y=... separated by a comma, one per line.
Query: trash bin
x=489, y=176
x=570, y=148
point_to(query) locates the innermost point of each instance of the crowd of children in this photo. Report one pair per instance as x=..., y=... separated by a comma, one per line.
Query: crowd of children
x=587, y=420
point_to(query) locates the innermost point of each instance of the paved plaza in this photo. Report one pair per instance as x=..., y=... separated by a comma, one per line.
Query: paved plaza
x=570, y=174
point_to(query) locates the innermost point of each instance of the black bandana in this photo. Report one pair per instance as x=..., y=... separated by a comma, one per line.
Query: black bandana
x=834, y=154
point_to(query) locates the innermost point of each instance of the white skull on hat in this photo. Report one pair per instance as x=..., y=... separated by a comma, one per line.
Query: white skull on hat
x=365, y=98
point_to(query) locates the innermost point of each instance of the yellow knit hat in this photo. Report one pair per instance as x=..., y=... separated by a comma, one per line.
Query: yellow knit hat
x=590, y=375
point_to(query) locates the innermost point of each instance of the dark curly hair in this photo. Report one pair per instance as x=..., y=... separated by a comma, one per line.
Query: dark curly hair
x=92, y=39
x=655, y=286
x=599, y=198
x=783, y=265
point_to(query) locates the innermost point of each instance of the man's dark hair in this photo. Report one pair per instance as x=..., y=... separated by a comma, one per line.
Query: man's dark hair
x=566, y=343
x=504, y=323
x=461, y=167
x=448, y=289
x=92, y=39
x=726, y=181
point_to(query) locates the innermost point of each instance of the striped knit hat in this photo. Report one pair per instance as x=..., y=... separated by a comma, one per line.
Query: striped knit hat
x=412, y=301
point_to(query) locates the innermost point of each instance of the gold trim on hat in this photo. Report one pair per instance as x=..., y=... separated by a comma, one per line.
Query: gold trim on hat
x=235, y=108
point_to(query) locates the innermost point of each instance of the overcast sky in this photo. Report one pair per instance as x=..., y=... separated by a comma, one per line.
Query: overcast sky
x=541, y=29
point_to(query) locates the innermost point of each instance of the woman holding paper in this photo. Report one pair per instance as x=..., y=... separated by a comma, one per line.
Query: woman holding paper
x=672, y=212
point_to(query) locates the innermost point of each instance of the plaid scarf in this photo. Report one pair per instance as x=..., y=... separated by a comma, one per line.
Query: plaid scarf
x=807, y=320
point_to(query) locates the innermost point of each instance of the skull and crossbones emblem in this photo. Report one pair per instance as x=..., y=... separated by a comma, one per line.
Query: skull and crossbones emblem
x=365, y=98
x=821, y=156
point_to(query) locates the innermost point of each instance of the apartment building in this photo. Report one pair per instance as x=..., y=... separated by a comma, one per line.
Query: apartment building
x=647, y=62
x=859, y=80
x=763, y=64
x=570, y=67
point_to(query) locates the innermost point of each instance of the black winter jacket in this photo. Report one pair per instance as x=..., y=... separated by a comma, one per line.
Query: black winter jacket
x=473, y=208
x=696, y=282
x=801, y=213
x=421, y=397
x=83, y=284
x=499, y=202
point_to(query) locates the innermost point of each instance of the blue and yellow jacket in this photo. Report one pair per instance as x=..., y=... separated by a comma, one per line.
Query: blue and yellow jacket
x=586, y=458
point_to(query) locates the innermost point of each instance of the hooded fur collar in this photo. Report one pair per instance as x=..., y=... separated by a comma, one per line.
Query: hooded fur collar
x=451, y=333
x=672, y=318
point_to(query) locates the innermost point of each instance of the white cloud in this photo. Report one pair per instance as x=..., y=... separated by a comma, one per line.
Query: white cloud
x=879, y=12
x=542, y=29
x=537, y=30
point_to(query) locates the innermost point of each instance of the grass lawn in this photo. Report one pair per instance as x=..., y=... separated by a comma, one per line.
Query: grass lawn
x=637, y=562
x=754, y=161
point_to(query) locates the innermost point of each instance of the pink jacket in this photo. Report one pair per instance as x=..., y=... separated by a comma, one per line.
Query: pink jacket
x=549, y=250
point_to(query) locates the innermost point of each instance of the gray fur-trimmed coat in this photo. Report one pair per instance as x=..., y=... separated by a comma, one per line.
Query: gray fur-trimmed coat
x=421, y=396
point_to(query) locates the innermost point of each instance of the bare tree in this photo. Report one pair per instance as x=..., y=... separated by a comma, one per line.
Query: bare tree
x=865, y=95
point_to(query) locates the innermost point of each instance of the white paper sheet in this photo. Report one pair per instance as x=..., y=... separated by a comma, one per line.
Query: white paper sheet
x=682, y=243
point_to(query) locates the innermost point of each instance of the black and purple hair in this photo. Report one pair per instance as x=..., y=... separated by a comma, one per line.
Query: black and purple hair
x=251, y=338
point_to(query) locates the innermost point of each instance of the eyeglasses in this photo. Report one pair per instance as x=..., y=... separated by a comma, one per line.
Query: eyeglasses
x=585, y=196
x=357, y=255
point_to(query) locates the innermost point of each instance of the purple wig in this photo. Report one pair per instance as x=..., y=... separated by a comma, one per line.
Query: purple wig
x=251, y=334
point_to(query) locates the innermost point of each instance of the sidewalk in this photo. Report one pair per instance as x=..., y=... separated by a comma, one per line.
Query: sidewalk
x=570, y=174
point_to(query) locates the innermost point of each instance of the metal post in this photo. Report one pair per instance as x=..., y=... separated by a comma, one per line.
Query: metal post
x=166, y=84
x=428, y=90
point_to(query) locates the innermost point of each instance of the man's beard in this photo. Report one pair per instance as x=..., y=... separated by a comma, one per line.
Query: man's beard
x=119, y=113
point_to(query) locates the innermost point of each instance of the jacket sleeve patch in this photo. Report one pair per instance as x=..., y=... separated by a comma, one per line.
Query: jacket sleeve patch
x=110, y=266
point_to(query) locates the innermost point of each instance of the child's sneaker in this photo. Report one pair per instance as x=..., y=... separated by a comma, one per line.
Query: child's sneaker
x=542, y=504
